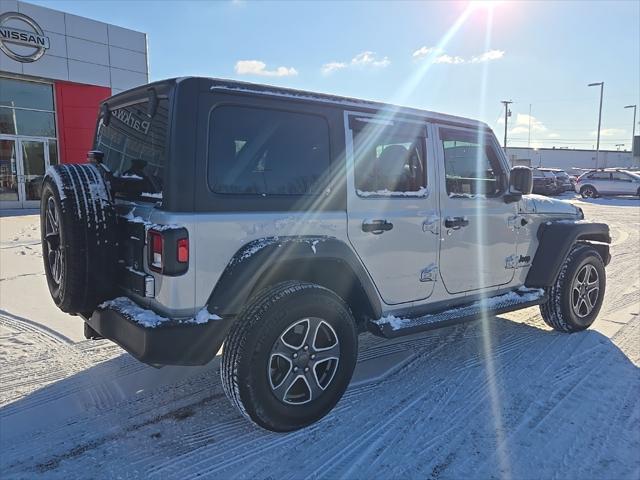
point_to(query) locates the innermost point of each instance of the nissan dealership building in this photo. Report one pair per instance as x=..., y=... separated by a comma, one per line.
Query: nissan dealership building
x=55, y=68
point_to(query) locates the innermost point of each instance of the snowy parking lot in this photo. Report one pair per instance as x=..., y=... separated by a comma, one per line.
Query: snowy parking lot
x=505, y=398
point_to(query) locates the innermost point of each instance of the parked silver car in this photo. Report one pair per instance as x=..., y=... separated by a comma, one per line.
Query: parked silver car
x=284, y=223
x=608, y=182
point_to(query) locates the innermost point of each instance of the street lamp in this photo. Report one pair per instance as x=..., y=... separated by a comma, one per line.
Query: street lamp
x=633, y=134
x=601, y=84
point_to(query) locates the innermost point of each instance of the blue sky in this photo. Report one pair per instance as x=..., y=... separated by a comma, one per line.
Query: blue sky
x=539, y=53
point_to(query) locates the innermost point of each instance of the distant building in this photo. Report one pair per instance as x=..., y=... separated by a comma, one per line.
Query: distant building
x=55, y=69
x=567, y=159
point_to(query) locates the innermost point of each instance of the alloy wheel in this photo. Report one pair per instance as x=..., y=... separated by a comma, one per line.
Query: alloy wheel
x=303, y=361
x=585, y=290
x=52, y=237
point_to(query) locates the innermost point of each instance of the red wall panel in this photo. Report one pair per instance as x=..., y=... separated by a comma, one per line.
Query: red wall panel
x=77, y=108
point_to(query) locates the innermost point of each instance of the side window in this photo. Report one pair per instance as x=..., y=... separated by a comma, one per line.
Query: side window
x=621, y=177
x=599, y=176
x=389, y=159
x=267, y=152
x=472, y=166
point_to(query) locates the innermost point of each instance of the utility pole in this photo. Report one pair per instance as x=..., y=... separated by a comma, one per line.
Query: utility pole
x=633, y=134
x=507, y=114
x=601, y=84
x=529, y=139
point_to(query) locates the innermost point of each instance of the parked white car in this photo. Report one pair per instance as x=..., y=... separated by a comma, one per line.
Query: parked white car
x=608, y=182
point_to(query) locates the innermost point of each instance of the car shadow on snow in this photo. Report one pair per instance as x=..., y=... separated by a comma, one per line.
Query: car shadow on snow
x=462, y=396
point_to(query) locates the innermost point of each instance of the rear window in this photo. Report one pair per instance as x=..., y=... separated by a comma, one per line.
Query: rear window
x=134, y=143
x=267, y=152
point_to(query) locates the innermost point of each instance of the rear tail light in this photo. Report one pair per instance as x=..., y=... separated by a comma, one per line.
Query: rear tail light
x=183, y=250
x=168, y=251
x=156, y=247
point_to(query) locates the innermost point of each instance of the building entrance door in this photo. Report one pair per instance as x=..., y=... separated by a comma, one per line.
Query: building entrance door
x=23, y=162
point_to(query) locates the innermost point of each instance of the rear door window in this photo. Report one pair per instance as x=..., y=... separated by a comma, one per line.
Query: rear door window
x=621, y=177
x=267, y=152
x=389, y=160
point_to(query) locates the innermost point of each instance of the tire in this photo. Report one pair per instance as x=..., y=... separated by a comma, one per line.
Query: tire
x=250, y=367
x=589, y=192
x=78, y=234
x=582, y=264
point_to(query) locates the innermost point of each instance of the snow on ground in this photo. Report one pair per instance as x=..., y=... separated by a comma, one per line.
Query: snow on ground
x=505, y=399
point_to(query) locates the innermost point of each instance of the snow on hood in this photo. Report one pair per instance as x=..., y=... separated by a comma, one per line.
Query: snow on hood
x=545, y=205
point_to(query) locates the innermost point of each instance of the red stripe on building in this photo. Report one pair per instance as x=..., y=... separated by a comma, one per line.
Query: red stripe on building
x=77, y=109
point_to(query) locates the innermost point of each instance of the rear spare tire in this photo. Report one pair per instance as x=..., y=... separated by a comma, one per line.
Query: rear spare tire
x=78, y=232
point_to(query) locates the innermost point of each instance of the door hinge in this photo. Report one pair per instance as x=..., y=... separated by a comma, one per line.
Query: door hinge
x=429, y=274
x=431, y=224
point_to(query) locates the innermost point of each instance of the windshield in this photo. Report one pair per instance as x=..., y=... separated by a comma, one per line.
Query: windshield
x=133, y=143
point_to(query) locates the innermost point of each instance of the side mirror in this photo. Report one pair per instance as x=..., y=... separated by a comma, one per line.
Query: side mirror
x=520, y=183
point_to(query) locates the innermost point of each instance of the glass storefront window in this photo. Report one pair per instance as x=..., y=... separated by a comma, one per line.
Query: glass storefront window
x=26, y=108
x=7, y=121
x=27, y=122
x=37, y=124
x=21, y=94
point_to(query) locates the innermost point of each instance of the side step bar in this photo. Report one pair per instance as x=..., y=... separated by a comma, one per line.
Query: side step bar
x=392, y=327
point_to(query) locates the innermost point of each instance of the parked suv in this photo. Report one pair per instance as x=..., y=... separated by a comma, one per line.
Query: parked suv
x=284, y=223
x=544, y=183
x=608, y=182
x=563, y=180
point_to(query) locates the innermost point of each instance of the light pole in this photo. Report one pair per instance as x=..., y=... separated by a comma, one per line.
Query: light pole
x=601, y=84
x=633, y=134
x=507, y=114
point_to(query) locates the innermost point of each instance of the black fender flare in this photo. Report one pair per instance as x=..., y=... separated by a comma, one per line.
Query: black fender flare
x=556, y=240
x=318, y=259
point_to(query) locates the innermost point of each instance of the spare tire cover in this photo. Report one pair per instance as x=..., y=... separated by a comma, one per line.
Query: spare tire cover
x=78, y=224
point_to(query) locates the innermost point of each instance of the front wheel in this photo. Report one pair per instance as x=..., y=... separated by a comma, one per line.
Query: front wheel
x=588, y=192
x=576, y=296
x=290, y=356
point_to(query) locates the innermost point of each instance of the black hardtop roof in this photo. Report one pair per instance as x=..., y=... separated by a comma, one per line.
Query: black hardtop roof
x=218, y=84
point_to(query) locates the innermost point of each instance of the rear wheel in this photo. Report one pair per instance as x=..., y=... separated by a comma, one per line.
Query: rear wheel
x=576, y=296
x=290, y=356
x=78, y=232
x=588, y=192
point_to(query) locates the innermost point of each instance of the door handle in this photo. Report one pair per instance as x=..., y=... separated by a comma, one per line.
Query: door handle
x=456, y=223
x=376, y=226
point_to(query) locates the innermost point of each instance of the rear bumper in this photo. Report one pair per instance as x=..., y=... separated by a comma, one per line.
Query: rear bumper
x=173, y=344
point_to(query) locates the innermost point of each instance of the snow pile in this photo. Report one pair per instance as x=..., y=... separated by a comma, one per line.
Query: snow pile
x=130, y=217
x=150, y=319
x=480, y=196
x=423, y=192
x=152, y=195
x=523, y=294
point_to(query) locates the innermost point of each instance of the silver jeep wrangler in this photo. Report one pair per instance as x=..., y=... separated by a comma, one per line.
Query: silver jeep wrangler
x=283, y=223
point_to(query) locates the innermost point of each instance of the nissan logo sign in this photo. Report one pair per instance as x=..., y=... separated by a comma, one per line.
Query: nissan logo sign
x=26, y=44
